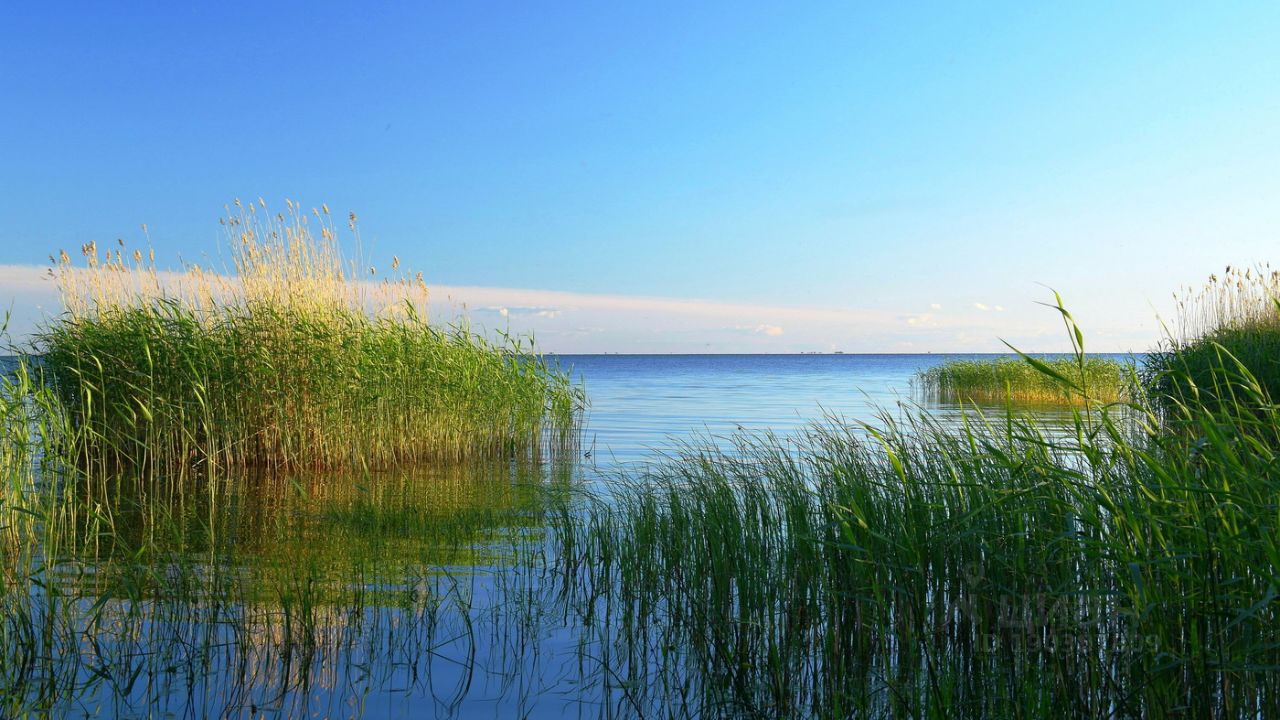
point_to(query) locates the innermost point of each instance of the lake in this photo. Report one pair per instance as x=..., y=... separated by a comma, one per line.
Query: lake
x=639, y=402
x=426, y=593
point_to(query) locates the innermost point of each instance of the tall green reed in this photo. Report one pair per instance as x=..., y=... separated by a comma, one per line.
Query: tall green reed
x=910, y=568
x=294, y=360
x=1001, y=380
x=1225, y=345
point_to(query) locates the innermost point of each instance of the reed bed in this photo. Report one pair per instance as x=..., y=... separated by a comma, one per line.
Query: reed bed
x=1001, y=380
x=909, y=569
x=1232, y=322
x=1241, y=298
x=921, y=573
x=1123, y=565
x=297, y=356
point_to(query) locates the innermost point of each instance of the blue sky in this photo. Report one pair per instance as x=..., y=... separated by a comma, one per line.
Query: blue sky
x=766, y=177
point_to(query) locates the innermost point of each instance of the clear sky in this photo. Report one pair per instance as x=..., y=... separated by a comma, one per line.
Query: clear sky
x=716, y=176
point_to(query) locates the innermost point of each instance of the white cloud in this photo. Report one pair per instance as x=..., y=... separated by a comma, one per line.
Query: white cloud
x=758, y=329
x=534, y=311
x=935, y=306
x=18, y=279
x=28, y=298
x=625, y=323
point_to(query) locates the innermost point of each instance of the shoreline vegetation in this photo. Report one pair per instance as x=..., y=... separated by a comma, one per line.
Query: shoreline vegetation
x=299, y=356
x=1226, y=346
x=1034, y=381
x=1125, y=563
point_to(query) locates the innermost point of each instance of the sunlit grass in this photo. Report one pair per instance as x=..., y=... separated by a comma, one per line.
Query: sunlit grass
x=1124, y=564
x=1226, y=349
x=1001, y=380
x=299, y=357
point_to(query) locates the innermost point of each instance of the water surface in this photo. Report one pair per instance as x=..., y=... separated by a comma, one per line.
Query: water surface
x=424, y=593
x=640, y=402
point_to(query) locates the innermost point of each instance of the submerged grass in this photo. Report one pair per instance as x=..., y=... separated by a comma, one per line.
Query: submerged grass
x=291, y=595
x=298, y=358
x=1001, y=380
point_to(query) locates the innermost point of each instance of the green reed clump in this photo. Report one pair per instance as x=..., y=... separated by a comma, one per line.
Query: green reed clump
x=1227, y=343
x=1000, y=380
x=292, y=360
x=910, y=569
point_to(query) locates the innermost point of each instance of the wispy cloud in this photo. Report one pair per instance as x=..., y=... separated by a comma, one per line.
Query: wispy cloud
x=761, y=329
x=583, y=322
x=534, y=311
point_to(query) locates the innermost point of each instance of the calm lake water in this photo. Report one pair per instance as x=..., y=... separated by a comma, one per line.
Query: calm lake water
x=640, y=402
x=420, y=593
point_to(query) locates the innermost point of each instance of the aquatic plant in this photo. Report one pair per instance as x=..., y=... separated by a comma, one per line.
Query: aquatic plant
x=1117, y=566
x=1013, y=379
x=297, y=356
x=909, y=569
x=1225, y=347
x=221, y=596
